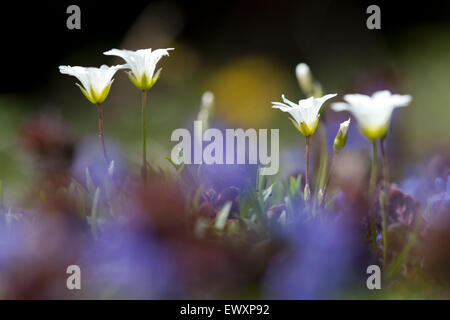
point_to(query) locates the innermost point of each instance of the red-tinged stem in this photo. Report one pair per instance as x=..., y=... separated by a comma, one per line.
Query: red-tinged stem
x=100, y=132
x=307, y=162
x=144, y=135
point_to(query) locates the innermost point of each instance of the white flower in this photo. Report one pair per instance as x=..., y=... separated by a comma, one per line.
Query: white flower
x=305, y=114
x=373, y=113
x=142, y=64
x=95, y=82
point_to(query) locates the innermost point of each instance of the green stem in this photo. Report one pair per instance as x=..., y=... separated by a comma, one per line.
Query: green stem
x=385, y=164
x=330, y=173
x=382, y=200
x=323, y=164
x=100, y=132
x=1, y=197
x=372, y=187
x=307, y=190
x=383, y=203
x=144, y=135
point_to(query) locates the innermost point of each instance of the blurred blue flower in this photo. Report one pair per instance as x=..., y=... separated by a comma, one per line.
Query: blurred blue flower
x=292, y=160
x=355, y=141
x=438, y=210
x=89, y=155
x=127, y=264
x=319, y=261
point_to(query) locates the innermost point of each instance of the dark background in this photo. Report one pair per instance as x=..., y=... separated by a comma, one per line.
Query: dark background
x=245, y=52
x=34, y=36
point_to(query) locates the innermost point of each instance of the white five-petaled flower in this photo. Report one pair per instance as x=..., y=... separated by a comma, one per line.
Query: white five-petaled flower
x=373, y=112
x=142, y=64
x=95, y=82
x=305, y=114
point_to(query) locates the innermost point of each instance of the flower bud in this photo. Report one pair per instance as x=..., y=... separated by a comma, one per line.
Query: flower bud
x=207, y=99
x=206, y=109
x=341, y=138
x=305, y=79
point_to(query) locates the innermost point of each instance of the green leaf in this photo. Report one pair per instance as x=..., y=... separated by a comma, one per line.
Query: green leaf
x=89, y=183
x=196, y=199
x=9, y=217
x=94, y=211
x=294, y=185
x=266, y=193
x=261, y=180
x=252, y=225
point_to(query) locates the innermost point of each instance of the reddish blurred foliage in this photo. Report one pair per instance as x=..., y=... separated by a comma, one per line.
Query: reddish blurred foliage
x=38, y=259
x=206, y=265
x=158, y=206
x=49, y=141
x=212, y=201
x=436, y=242
x=274, y=212
x=402, y=208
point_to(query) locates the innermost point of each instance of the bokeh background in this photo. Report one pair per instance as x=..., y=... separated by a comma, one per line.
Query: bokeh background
x=245, y=52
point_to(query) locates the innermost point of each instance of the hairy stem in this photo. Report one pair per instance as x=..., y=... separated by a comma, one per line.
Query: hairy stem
x=144, y=135
x=100, y=132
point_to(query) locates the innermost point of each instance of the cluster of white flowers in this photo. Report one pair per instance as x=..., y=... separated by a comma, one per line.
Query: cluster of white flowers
x=96, y=82
x=372, y=112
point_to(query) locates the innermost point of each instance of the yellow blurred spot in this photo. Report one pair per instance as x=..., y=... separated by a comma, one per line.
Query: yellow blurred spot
x=244, y=90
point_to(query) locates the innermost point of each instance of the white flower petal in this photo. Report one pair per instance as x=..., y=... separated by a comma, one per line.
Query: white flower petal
x=340, y=106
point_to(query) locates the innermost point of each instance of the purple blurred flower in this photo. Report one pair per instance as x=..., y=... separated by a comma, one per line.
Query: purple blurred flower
x=292, y=160
x=320, y=260
x=127, y=264
x=89, y=155
x=438, y=210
